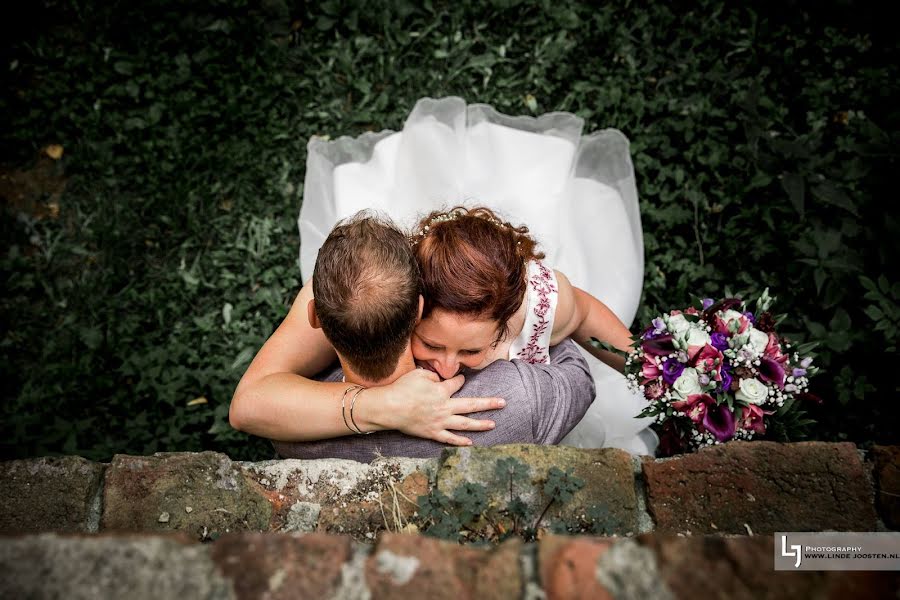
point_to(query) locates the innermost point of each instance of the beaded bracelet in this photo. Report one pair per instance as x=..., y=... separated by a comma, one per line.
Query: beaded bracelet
x=352, y=420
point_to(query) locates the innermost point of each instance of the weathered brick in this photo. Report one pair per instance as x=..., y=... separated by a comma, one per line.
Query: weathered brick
x=87, y=567
x=392, y=508
x=766, y=486
x=568, y=567
x=48, y=494
x=405, y=566
x=349, y=497
x=739, y=567
x=204, y=494
x=277, y=565
x=607, y=474
x=887, y=483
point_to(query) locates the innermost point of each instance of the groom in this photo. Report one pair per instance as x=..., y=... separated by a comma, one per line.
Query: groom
x=367, y=301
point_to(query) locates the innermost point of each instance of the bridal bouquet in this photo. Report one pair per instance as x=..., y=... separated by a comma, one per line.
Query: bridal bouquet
x=719, y=372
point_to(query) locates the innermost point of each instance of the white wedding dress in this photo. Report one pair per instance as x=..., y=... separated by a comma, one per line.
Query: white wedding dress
x=576, y=194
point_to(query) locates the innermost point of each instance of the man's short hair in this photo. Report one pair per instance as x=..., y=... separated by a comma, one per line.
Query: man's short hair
x=366, y=286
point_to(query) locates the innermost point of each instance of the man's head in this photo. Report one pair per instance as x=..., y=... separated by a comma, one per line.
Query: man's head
x=367, y=291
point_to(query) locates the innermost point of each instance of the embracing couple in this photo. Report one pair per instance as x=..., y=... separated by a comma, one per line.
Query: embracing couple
x=466, y=297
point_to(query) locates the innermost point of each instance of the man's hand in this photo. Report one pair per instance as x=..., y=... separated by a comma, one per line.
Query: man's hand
x=420, y=404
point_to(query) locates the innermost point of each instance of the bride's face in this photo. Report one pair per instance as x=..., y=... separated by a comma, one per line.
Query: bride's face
x=446, y=342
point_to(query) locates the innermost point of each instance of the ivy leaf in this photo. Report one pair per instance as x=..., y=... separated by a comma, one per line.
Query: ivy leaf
x=91, y=336
x=873, y=312
x=841, y=320
x=829, y=194
x=819, y=277
x=795, y=186
x=324, y=23
x=123, y=67
x=242, y=358
x=221, y=25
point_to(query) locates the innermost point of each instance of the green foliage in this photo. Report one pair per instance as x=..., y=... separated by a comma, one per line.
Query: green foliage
x=597, y=520
x=470, y=500
x=439, y=512
x=471, y=515
x=561, y=485
x=884, y=306
x=513, y=471
x=764, y=141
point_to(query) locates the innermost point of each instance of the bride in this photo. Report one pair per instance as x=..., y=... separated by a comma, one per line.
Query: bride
x=576, y=193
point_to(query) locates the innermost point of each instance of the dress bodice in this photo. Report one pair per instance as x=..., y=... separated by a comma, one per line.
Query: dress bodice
x=532, y=345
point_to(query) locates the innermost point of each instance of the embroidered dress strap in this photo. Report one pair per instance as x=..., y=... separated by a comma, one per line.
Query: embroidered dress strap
x=533, y=344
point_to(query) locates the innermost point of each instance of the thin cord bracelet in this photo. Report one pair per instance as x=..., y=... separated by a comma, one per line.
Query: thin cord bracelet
x=352, y=420
x=343, y=405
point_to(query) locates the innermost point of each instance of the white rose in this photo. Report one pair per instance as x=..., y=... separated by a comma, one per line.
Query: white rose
x=731, y=314
x=688, y=383
x=759, y=340
x=678, y=324
x=752, y=391
x=697, y=337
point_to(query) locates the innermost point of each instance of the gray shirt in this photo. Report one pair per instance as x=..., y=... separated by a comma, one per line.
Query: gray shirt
x=543, y=403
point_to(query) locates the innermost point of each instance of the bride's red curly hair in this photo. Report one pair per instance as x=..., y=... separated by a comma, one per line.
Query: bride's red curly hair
x=474, y=264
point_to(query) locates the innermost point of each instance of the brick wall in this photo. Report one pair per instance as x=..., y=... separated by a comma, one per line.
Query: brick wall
x=692, y=526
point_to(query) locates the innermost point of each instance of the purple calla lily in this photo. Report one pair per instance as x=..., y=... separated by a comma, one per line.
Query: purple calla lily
x=719, y=421
x=661, y=346
x=725, y=304
x=771, y=371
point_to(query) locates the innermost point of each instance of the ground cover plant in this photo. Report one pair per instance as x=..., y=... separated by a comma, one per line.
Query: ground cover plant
x=471, y=513
x=152, y=159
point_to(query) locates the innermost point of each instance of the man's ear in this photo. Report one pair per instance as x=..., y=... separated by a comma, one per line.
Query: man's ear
x=421, y=308
x=312, y=316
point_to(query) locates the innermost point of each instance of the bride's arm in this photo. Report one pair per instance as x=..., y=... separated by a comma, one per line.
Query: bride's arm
x=581, y=316
x=276, y=398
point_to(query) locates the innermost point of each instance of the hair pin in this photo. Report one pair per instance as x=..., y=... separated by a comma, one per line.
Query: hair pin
x=451, y=215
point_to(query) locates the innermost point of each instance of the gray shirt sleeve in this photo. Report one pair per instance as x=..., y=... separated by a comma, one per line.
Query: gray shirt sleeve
x=544, y=402
x=565, y=390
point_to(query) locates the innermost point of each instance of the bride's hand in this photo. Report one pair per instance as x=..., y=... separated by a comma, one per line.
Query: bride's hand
x=420, y=404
